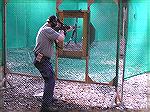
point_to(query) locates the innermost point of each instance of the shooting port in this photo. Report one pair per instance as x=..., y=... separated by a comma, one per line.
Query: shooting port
x=77, y=41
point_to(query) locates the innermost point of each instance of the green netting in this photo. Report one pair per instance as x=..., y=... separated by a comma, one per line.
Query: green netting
x=104, y=17
x=102, y=63
x=24, y=18
x=138, y=49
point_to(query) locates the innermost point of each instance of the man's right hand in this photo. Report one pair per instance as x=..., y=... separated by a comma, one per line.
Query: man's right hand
x=61, y=36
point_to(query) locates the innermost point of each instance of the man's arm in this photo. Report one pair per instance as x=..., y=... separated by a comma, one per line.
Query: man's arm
x=61, y=36
x=53, y=35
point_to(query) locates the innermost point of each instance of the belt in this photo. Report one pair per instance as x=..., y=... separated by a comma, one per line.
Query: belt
x=44, y=57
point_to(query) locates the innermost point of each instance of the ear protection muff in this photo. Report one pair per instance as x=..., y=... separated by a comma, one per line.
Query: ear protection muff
x=52, y=20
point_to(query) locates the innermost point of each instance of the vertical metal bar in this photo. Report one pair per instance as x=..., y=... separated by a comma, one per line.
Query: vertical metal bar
x=125, y=26
x=4, y=49
x=118, y=53
x=58, y=2
x=89, y=4
x=4, y=42
x=118, y=46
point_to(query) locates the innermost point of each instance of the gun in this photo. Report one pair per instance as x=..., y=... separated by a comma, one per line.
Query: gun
x=65, y=28
x=74, y=33
x=62, y=26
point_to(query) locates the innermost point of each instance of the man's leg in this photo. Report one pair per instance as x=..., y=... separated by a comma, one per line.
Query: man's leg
x=48, y=75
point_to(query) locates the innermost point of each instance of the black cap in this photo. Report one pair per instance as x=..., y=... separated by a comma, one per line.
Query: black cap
x=52, y=19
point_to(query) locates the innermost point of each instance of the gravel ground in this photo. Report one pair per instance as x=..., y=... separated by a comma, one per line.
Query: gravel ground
x=74, y=96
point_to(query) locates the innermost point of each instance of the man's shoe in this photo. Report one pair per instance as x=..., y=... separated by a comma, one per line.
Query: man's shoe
x=54, y=100
x=44, y=109
x=51, y=108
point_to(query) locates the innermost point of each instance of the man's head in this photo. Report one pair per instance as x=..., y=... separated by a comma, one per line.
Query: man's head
x=52, y=20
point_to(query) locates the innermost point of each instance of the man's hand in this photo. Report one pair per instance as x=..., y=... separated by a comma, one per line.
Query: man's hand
x=61, y=36
x=57, y=41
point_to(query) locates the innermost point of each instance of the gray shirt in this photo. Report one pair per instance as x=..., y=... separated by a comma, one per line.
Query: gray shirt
x=44, y=40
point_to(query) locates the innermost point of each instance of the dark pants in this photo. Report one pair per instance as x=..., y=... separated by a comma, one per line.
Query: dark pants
x=46, y=70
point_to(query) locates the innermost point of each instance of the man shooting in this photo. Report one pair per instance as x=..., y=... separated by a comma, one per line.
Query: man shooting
x=43, y=51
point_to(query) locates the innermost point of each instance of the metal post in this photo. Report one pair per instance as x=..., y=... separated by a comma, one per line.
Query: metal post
x=4, y=81
x=115, y=81
x=125, y=25
x=122, y=29
x=58, y=2
x=4, y=42
x=89, y=4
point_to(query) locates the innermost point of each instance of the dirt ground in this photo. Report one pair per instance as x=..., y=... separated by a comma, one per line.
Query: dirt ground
x=21, y=98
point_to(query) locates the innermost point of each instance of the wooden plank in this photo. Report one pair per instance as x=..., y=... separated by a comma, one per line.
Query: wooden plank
x=56, y=66
x=70, y=54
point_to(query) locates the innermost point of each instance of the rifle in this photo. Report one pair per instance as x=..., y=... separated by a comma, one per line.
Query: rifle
x=74, y=33
x=61, y=27
x=65, y=28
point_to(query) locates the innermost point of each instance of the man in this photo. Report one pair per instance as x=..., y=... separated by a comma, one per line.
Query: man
x=43, y=51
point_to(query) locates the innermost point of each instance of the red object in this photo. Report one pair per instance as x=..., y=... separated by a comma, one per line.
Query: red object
x=90, y=3
x=58, y=3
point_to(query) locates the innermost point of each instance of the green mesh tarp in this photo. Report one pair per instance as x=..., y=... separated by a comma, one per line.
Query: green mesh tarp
x=24, y=18
x=138, y=48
